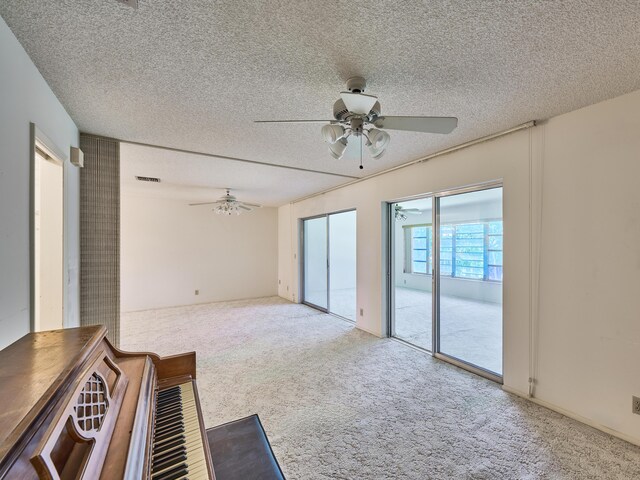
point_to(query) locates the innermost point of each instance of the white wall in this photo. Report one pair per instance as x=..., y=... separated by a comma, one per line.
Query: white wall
x=25, y=97
x=570, y=199
x=48, y=245
x=169, y=250
x=589, y=332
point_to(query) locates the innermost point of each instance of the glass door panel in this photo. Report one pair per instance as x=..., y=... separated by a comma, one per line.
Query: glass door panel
x=342, y=264
x=315, y=262
x=412, y=263
x=470, y=278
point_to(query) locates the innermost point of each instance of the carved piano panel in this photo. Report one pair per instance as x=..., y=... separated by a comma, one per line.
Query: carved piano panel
x=77, y=440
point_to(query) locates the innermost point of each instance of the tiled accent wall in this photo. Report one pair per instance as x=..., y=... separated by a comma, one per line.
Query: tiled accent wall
x=100, y=235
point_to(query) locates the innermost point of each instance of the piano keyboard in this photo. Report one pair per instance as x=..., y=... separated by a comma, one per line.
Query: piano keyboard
x=177, y=452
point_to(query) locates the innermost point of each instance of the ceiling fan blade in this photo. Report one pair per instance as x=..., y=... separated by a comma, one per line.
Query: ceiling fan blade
x=254, y=205
x=202, y=203
x=418, y=124
x=358, y=103
x=244, y=207
x=295, y=121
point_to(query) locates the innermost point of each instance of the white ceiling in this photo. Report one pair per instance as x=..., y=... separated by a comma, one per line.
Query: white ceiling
x=195, y=74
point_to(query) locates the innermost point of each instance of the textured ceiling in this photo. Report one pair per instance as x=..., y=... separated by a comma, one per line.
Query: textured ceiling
x=194, y=74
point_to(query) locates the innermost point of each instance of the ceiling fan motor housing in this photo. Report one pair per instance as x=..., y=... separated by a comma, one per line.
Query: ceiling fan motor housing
x=342, y=114
x=356, y=84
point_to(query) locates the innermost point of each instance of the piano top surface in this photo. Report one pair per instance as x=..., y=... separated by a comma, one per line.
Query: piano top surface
x=33, y=369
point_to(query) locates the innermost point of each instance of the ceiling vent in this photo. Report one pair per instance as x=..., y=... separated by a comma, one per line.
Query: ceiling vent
x=148, y=179
x=131, y=3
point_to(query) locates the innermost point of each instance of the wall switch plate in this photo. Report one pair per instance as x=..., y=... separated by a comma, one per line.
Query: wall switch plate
x=197, y=292
x=361, y=312
x=635, y=406
x=279, y=282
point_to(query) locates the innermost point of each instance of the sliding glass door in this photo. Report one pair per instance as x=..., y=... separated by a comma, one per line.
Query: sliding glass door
x=470, y=278
x=342, y=264
x=316, y=281
x=329, y=263
x=446, y=276
x=412, y=250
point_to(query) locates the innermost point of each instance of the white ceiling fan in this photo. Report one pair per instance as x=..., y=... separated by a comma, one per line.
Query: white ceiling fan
x=401, y=213
x=358, y=115
x=228, y=205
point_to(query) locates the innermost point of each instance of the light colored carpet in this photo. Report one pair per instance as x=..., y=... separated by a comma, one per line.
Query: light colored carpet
x=469, y=330
x=338, y=403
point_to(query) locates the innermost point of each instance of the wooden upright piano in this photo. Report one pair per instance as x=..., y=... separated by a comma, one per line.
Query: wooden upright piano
x=72, y=406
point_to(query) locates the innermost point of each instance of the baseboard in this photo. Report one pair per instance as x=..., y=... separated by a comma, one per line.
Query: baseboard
x=575, y=416
x=376, y=334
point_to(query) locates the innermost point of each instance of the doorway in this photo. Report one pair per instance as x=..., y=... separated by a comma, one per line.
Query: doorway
x=446, y=276
x=329, y=263
x=48, y=239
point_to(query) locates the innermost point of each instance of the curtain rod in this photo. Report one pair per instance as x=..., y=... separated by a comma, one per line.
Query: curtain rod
x=522, y=126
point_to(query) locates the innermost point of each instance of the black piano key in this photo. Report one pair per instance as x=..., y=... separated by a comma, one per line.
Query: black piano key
x=167, y=411
x=164, y=418
x=168, y=427
x=176, y=475
x=177, y=458
x=169, y=438
x=182, y=450
x=169, y=445
x=168, y=452
x=166, y=405
x=157, y=439
x=168, y=391
x=168, y=401
x=167, y=415
x=168, y=456
x=176, y=472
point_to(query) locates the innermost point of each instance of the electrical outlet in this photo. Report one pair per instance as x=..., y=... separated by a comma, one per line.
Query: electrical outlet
x=279, y=282
x=197, y=292
x=635, y=406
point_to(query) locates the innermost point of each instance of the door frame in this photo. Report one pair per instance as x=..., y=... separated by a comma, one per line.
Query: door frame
x=40, y=141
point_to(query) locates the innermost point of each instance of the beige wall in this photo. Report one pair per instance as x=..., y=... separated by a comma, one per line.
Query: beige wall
x=169, y=250
x=571, y=213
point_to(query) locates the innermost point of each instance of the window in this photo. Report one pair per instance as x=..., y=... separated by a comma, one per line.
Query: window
x=418, y=238
x=420, y=249
x=494, y=252
x=467, y=250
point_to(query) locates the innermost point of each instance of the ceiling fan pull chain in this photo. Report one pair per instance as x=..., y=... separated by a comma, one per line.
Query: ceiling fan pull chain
x=361, y=167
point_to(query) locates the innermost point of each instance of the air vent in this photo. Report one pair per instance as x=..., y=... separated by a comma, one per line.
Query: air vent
x=148, y=179
x=131, y=3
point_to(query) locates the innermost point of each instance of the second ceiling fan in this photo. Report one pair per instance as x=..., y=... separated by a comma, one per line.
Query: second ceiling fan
x=358, y=115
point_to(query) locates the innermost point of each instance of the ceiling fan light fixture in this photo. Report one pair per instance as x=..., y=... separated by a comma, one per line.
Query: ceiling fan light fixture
x=378, y=142
x=337, y=149
x=332, y=133
x=227, y=208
